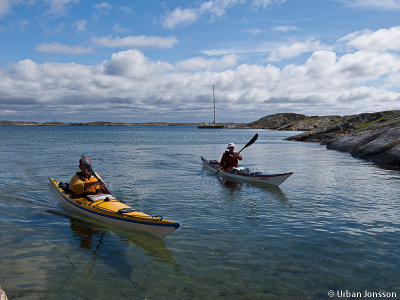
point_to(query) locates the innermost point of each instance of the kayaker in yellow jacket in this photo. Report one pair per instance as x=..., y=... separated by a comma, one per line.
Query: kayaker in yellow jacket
x=86, y=182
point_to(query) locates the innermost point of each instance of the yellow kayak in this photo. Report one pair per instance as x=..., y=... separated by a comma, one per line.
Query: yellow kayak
x=108, y=209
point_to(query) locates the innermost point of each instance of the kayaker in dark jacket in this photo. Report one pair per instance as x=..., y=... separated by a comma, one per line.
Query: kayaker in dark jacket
x=230, y=158
x=87, y=182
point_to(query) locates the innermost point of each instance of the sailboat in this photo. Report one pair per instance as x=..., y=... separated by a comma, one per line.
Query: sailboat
x=212, y=125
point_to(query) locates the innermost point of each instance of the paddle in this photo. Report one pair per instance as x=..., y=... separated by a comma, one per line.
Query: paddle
x=254, y=138
x=88, y=165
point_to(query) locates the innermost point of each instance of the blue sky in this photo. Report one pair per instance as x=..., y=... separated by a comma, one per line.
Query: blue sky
x=142, y=61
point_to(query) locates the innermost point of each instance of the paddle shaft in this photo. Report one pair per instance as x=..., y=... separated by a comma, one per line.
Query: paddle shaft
x=98, y=179
x=89, y=168
x=253, y=139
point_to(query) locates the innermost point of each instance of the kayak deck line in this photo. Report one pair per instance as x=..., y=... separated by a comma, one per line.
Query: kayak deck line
x=252, y=177
x=115, y=213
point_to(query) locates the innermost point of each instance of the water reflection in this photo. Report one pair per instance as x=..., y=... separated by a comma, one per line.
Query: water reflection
x=272, y=189
x=153, y=246
x=91, y=238
x=85, y=234
x=236, y=186
x=230, y=184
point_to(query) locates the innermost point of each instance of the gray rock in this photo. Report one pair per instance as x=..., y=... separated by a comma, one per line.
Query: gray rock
x=277, y=121
x=374, y=137
x=381, y=145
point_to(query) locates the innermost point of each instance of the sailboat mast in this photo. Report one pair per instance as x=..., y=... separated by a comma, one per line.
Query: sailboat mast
x=214, y=103
x=210, y=125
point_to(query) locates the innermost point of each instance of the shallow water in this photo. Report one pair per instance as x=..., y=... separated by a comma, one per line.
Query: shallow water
x=333, y=225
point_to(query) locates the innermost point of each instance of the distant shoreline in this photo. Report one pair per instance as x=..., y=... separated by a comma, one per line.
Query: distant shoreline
x=106, y=123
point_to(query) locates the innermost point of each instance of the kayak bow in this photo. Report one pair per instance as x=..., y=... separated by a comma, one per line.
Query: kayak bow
x=243, y=175
x=108, y=209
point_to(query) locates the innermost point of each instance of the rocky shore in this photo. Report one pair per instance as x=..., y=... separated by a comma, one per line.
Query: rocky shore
x=371, y=136
x=292, y=121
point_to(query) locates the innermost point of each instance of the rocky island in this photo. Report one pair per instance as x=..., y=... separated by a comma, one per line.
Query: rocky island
x=371, y=136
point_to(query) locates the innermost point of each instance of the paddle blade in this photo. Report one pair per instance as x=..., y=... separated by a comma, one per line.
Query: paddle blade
x=252, y=140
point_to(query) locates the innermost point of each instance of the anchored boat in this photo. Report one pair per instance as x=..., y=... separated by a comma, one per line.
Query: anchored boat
x=242, y=174
x=108, y=209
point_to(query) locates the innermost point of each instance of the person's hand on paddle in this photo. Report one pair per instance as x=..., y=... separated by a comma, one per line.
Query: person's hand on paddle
x=103, y=187
x=238, y=155
x=89, y=184
x=218, y=170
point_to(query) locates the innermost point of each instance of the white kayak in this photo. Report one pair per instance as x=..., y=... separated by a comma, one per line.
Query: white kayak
x=243, y=174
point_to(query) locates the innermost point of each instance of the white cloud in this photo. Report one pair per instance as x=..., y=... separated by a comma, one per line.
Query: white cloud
x=80, y=25
x=56, y=7
x=60, y=48
x=26, y=70
x=295, y=49
x=377, y=4
x=379, y=40
x=217, y=52
x=101, y=9
x=285, y=29
x=136, y=41
x=118, y=28
x=365, y=66
x=216, y=8
x=132, y=85
x=252, y=49
x=134, y=64
x=60, y=7
x=200, y=64
x=179, y=16
x=49, y=82
x=5, y=7
x=253, y=31
x=125, y=9
x=213, y=8
x=267, y=3
x=103, y=6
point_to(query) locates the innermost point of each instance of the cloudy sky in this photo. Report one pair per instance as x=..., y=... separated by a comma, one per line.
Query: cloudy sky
x=142, y=61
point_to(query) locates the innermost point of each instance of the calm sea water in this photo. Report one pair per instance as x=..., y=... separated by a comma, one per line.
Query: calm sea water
x=333, y=226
